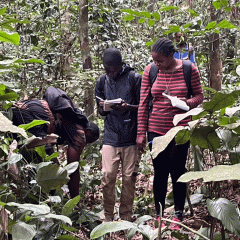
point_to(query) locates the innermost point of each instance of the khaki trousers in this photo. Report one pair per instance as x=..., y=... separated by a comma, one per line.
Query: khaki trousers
x=129, y=157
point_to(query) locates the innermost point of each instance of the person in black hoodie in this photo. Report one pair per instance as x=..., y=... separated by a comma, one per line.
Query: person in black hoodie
x=120, y=129
x=64, y=119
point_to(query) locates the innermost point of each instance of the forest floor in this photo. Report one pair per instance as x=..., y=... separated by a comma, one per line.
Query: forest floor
x=195, y=220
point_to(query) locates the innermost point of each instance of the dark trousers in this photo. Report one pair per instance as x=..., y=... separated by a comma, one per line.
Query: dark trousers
x=172, y=160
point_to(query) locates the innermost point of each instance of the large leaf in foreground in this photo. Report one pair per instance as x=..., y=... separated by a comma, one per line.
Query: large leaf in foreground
x=9, y=37
x=160, y=143
x=33, y=208
x=51, y=177
x=23, y=231
x=214, y=174
x=108, y=227
x=226, y=212
x=206, y=138
x=7, y=126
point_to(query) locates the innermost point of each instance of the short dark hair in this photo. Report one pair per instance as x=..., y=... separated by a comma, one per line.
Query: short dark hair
x=91, y=132
x=112, y=56
x=163, y=46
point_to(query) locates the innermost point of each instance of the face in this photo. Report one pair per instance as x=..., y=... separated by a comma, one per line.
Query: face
x=112, y=70
x=161, y=61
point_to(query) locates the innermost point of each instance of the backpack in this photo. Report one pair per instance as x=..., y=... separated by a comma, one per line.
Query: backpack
x=187, y=71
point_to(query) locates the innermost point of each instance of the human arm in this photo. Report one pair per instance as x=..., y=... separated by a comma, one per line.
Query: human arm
x=143, y=109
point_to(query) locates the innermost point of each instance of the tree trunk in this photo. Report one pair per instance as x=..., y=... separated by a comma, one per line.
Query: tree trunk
x=215, y=58
x=87, y=63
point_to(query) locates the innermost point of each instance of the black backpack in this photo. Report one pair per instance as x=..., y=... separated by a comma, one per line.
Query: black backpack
x=187, y=71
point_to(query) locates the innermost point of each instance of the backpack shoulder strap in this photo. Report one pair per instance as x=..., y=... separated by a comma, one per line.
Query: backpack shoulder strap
x=153, y=73
x=187, y=71
x=102, y=83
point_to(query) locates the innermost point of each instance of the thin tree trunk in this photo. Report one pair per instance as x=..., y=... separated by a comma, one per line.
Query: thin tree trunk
x=215, y=58
x=87, y=63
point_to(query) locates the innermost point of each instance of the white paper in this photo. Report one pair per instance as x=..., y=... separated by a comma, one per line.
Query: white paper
x=176, y=102
x=108, y=103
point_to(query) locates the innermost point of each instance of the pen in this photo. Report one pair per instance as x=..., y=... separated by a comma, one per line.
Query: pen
x=99, y=98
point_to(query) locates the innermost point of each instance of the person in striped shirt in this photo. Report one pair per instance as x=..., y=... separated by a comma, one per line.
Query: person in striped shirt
x=170, y=80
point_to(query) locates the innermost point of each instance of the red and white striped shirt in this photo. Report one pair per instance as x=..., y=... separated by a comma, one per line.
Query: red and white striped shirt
x=161, y=118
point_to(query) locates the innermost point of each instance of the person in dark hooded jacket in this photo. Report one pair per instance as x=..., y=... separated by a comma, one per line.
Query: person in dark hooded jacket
x=120, y=129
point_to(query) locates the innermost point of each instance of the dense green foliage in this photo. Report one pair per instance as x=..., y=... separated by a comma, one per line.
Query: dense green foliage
x=39, y=43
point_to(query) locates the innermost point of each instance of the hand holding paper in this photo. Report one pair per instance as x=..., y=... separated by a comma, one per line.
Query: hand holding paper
x=176, y=102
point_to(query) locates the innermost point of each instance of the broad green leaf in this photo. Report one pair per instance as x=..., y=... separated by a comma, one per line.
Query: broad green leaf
x=187, y=25
x=31, y=60
x=192, y=12
x=108, y=227
x=141, y=20
x=3, y=10
x=206, y=138
x=64, y=219
x=143, y=219
x=168, y=8
x=228, y=9
x=53, y=155
x=151, y=22
x=160, y=143
x=211, y=25
x=146, y=231
x=51, y=177
x=131, y=12
x=9, y=37
x=214, y=174
x=9, y=96
x=195, y=199
x=197, y=157
x=128, y=18
x=231, y=111
x=100, y=19
x=224, y=2
x=146, y=14
x=23, y=231
x=32, y=124
x=33, y=208
x=70, y=205
x=226, y=212
x=7, y=126
x=179, y=117
x=219, y=101
x=217, y=5
x=227, y=120
x=156, y=16
x=225, y=24
x=206, y=232
x=183, y=136
x=72, y=167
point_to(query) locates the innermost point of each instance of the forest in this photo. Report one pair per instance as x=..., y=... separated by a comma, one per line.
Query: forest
x=60, y=43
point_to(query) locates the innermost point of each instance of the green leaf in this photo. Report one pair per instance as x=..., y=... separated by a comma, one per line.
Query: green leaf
x=9, y=96
x=146, y=14
x=156, y=16
x=151, y=22
x=2, y=11
x=64, y=219
x=224, y=2
x=228, y=9
x=214, y=174
x=15, y=157
x=7, y=126
x=32, y=124
x=217, y=5
x=23, y=231
x=219, y=101
x=9, y=37
x=51, y=177
x=108, y=227
x=192, y=12
x=72, y=167
x=100, y=19
x=211, y=25
x=206, y=138
x=128, y=18
x=141, y=20
x=67, y=237
x=183, y=136
x=33, y=208
x=53, y=155
x=160, y=143
x=169, y=8
x=226, y=212
x=225, y=24
x=70, y=205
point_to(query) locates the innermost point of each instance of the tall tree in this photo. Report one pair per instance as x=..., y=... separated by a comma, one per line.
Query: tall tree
x=215, y=57
x=85, y=50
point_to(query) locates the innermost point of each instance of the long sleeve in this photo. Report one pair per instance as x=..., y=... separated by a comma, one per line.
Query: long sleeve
x=143, y=108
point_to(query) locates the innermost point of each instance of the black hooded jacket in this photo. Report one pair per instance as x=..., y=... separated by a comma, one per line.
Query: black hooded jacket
x=120, y=127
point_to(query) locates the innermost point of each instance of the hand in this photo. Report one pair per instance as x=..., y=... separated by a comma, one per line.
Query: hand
x=141, y=143
x=183, y=99
x=123, y=106
x=101, y=103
